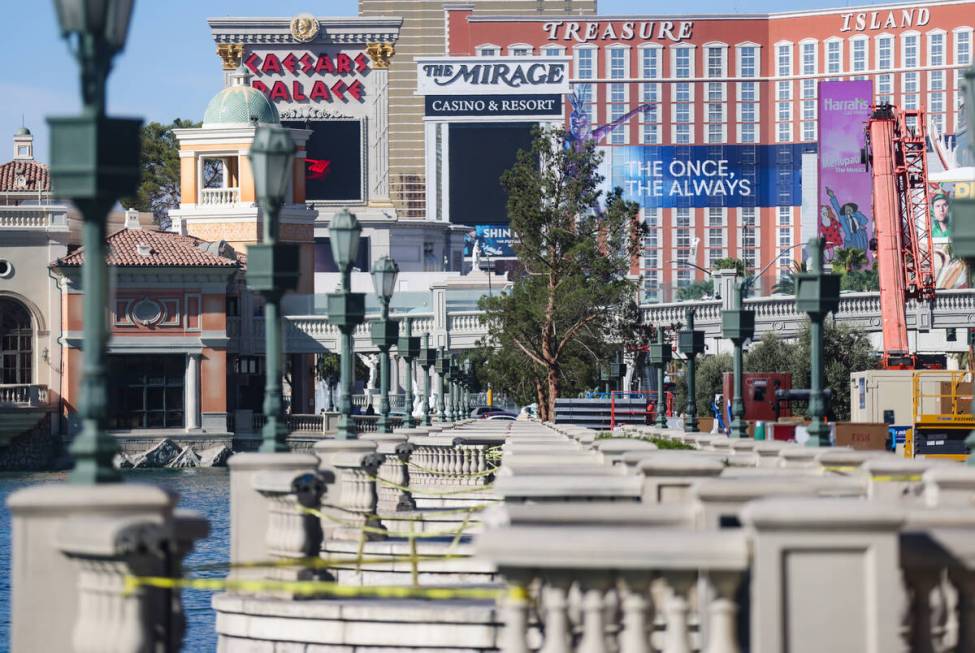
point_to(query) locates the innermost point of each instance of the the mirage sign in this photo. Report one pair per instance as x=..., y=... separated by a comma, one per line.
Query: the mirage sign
x=492, y=76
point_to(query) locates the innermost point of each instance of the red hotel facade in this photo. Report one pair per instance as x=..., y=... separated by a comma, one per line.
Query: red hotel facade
x=728, y=80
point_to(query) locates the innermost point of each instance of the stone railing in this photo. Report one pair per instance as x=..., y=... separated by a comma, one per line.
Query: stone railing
x=219, y=196
x=306, y=423
x=23, y=395
x=47, y=218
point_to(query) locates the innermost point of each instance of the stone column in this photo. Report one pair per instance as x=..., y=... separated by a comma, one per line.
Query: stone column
x=380, y=54
x=191, y=403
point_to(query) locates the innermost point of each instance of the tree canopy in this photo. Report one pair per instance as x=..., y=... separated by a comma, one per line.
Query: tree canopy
x=159, y=159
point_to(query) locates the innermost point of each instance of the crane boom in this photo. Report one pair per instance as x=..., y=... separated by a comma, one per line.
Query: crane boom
x=898, y=157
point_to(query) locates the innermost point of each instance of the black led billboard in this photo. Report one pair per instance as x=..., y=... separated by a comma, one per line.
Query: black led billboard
x=479, y=154
x=333, y=164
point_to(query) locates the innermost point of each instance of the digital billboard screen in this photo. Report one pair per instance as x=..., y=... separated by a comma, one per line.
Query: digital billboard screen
x=701, y=176
x=333, y=163
x=479, y=155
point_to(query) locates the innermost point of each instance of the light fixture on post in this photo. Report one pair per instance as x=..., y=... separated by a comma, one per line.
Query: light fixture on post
x=443, y=371
x=691, y=344
x=346, y=310
x=272, y=268
x=385, y=332
x=427, y=359
x=660, y=355
x=409, y=348
x=738, y=325
x=94, y=161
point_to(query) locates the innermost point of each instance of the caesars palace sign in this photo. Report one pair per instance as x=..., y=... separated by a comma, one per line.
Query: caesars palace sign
x=309, y=77
x=676, y=31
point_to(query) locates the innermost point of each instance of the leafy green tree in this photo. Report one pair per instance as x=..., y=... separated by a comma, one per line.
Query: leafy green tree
x=159, y=189
x=845, y=351
x=771, y=354
x=710, y=379
x=786, y=285
x=860, y=281
x=575, y=246
x=729, y=263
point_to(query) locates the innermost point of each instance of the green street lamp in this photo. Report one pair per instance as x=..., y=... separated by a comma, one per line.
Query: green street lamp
x=409, y=348
x=272, y=268
x=385, y=333
x=691, y=344
x=660, y=354
x=346, y=310
x=427, y=359
x=452, y=376
x=443, y=370
x=817, y=294
x=738, y=325
x=468, y=388
x=963, y=218
x=94, y=161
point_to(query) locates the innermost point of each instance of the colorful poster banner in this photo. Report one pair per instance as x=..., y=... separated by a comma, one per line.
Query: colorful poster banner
x=700, y=176
x=845, y=193
x=495, y=240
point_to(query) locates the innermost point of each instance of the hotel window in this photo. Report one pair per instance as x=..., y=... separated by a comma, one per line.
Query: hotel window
x=963, y=57
x=716, y=112
x=884, y=85
x=683, y=68
x=716, y=61
x=585, y=68
x=749, y=237
x=808, y=91
x=747, y=94
x=520, y=50
x=910, y=43
x=783, y=93
x=650, y=94
x=553, y=51
x=617, y=93
x=651, y=256
x=936, y=79
x=785, y=239
x=716, y=229
x=682, y=246
x=834, y=57
x=885, y=89
x=487, y=50
x=936, y=43
x=858, y=57
x=909, y=93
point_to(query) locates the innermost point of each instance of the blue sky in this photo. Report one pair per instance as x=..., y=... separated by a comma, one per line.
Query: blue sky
x=169, y=68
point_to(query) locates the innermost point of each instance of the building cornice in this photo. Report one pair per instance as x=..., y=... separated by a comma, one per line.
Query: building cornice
x=352, y=30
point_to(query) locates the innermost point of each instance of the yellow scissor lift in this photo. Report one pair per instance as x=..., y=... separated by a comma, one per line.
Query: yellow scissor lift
x=942, y=415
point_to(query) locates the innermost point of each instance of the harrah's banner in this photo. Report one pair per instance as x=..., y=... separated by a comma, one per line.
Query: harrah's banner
x=845, y=193
x=492, y=76
x=699, y=176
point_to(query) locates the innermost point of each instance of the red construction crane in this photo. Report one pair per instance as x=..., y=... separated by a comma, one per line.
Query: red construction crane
x=897, y=156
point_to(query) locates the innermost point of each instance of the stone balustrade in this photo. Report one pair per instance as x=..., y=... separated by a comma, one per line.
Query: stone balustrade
x=219, y=196
x=23, y=394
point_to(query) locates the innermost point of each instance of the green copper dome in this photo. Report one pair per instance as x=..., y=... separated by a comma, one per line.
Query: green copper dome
x=239, y=103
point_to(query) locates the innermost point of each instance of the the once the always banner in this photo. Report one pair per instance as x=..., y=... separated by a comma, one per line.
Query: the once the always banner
x=844, y=213
x=699, y=176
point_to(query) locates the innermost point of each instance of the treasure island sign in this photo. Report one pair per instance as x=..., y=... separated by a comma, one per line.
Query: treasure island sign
x=308, y=76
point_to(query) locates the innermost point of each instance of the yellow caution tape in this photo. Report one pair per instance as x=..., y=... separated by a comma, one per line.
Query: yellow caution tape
x=382, y=531
x=435, y=472
x=323, y=563
x=841, y=469
x=430, y=493
x=896, y=478
x=310, y=588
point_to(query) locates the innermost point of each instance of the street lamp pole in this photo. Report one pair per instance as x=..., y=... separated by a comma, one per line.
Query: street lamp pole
x=817, y=294
x=428, y=358
x=738, y=325
x=385, y=333
x=94, y=161
x=443, y=368
x=409, y=348
x=346, y=310
x=691, y=344
x=272, y=268
x=660, y=355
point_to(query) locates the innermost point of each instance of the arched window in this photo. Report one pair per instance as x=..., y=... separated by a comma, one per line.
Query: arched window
x=16, y=342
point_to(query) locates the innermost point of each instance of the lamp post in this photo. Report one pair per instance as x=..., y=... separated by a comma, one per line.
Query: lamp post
x=454, y=375
x=94, y=161
x=385, y=333
x=272, y=268
x=738, y=325
x=346, y=310
x=817, y=294
x=660, y=355
x=691, y=344
x=427, y=359
x=443, y=368
x=409, y=348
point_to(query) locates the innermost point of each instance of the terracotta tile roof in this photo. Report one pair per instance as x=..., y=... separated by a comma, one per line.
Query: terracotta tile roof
x=24, y=176
x=166, y=250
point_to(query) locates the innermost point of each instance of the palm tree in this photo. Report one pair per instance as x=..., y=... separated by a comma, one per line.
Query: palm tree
x=786, y=285
x=848, y=259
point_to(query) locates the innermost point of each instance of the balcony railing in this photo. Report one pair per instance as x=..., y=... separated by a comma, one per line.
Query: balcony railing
x=218, y=196
x=23, y=394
